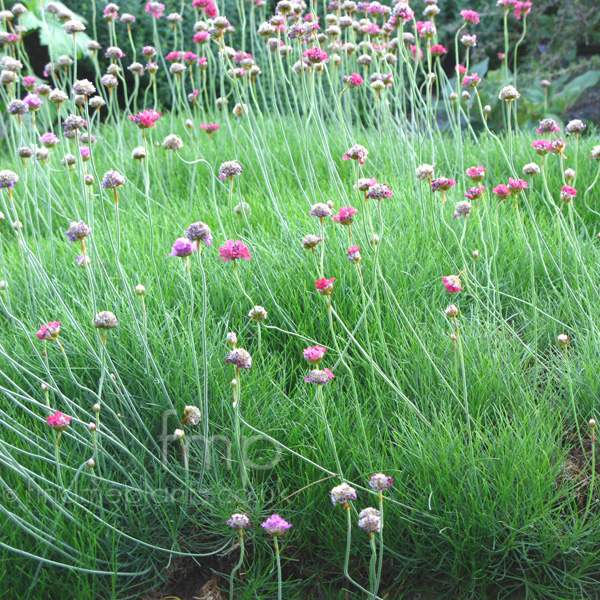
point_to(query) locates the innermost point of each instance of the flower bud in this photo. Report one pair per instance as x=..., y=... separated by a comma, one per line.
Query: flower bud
x=90, y=464
x=92, y=426
x=96, y=408
x=3, y=285
x=452, y=311
x=569, y=174
x=45, y=387
x=475, y=254
x=139, y=289
x=232, y=339
x=592, y=423
x=563, y=339
x=453, y=337
x=178, y=434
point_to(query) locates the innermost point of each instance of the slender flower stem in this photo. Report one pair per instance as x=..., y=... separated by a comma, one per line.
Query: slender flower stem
x=278, y=562
x=238, y=565
x=372, y=568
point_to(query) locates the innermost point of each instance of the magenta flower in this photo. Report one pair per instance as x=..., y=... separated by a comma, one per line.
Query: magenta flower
x=475, y=192
x=470, y=16
x=471, y=81
x=476, y=174
x=149, y=51
x=324, y=286
x=314, y=354
x=233, y=250
x=173, y=56
x=182, y=248
x=542, y=147
x=29, y=82
x=145, y=118
x=442, y=184
x=522, y=8
x=517, y=185
x=357, y=152
x=353, y=254
x=58, y=421
x=156, y=9
x=438, y=50
x=426, y=29
x=49, y=332
x=452, y=283
x=316, y=55
x=567, y=193
x=379, y=191
x=275, y=525
x=210, y=128
x=345, y=215
x=502, y=191
x=460, y=69
x=354, y=80
x=49, y=140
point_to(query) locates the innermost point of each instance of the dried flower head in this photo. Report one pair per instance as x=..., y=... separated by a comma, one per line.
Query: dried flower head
x=105, y=320
x=240, y=358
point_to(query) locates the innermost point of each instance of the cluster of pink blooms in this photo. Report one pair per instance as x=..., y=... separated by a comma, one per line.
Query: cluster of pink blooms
x=452, y=283
x=145, y=118
x=49, y=332
x=345, y=215
x=233, y=250
x=58, y=421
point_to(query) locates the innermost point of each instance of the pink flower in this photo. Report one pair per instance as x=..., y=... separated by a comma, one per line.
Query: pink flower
x=155, y=9
x=413, y=49
x=442, y=184
x=324, y=286
x=354, y=80
x=202, y=37
x=345, y=215
x=471, y=81
x=452, y=283
x=476, y=174
x=460, y=69
x=207, y=6
x=542, y=147
x=58, y=421
x=502, y=191
x=145, y=118
x=316, y=55
x=210, y=128
x=314, y=354
x=49, y=332
x=426, y=29
x=567, y=193
x=232, y=250
x=517, y=185
x=438, y=50
x=173, y=56
x=475, y=192
x=522, y=8
x=354, y=254
x=470, y=16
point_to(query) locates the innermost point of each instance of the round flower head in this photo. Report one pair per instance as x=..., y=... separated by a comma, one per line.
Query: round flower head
x=354, y=255
x=138, y=153
x=563, y=339
x=83, y=260
x=77, y=231
x=49, y=140
x=8, y=179
x=240, y=358
x=233, y=250
x=502, y=191
x=198, y=232
x=156, y=9
x=145, y=118
x=380, y=482
x=49, y=332
x=438, y=50
x=379, y=191
x=112, y=180
x=468, y=40
x=548, y=126
x=452, y=311
x=569, y=174
x=356, y=152
x=243, y=208
x=229, y=169
x=319, y=377
x=311, y=241
x=275, y=525
x=58, y=421
x=369, y=520
x=462, y=208
x=342, y=494
x=470, y=16
x=84, y=87
x=105, y=320
x=314, y=354
x=542, y=147
x=516, y=186
x=172, y=142
x=320, y=210
x=17, y=107
x=33, y=101
x=476, y=174
x=424, y=171
x=25, y=152
x=258, y=313
x=364, y=183
x=471, y=81
x=178, y=434
x=509, y=93
x=558, y=146
x=193, y=416
x=452, y=283
x=324, y=286
x=345, y=215
x=595, y=155
x=575, y=126
x=182, y=248
x=567, y=193
x=354, y=80
x=442, y=184
x=239, y=521
x=531, y=169
x=472, y=194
